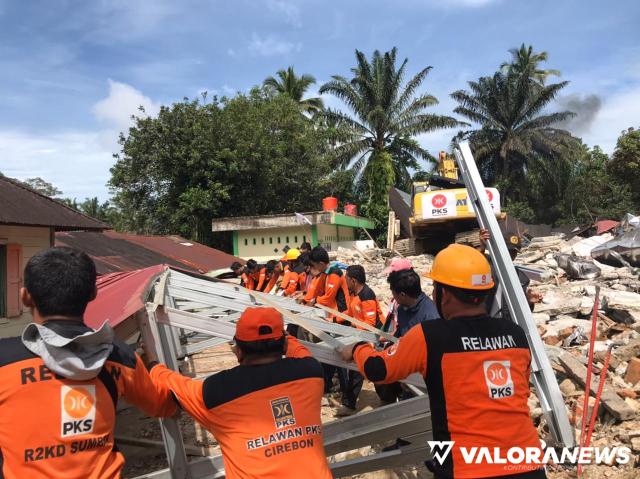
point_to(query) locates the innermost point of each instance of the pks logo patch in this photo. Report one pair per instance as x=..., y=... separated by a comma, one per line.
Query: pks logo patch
x=283, y=412
x=481, y=279
x=78, y=409
x=497, y=374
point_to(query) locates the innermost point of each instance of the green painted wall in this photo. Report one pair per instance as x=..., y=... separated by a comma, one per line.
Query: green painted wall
x=353, y=221
x=236, y=249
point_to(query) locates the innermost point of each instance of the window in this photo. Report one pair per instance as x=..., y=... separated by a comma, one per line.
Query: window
x=287, y=240
x=262, y=239
x=304, y=238
x=270, y=240
x=278, y=239
x=246, y=242
x=295, y=239
x=254, y=241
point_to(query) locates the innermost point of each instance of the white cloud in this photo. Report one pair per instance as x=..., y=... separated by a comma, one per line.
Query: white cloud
x=289, y=11
x=76, y=162
x=271, y=45
x=231, y=52
x=123, y=102
x=618, y=112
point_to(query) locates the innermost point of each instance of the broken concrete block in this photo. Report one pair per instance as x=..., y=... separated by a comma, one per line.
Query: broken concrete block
x=564, y=323
x=632, y=375
x=627, y=393
x=541, y=318
x=624, y=300
x=555, y=303
x=586, y=305
x=567, y=387
x=610, y=400
x=628, y=351
x=584, y=246
x=613, y=361
x=552, y=340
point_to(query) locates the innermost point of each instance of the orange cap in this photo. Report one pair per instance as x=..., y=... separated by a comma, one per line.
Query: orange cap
x=258, y=324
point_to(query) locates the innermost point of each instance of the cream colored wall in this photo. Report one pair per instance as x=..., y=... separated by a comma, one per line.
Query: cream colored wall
x=32, y=239
x=266, y=241
x=327, y=234
x=332, y=236
x=346, y=233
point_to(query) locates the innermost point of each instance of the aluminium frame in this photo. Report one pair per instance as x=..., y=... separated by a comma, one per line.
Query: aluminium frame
x=542, y=374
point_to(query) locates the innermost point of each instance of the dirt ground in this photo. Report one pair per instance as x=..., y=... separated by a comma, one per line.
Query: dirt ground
x=142, y=460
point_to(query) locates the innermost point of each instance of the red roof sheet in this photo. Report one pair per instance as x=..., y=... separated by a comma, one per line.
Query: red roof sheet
x=113, y=251
x=194, y=255
x=120, y=295
x=605, y=225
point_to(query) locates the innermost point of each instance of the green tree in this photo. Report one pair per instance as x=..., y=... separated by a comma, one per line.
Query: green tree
x=512, y=126
x=574, y=188
x=288, y=83
x=249, y=155
x=593, y=193
x=525, y=60
x=386, y=114
x=42, y=186
x=625, y=162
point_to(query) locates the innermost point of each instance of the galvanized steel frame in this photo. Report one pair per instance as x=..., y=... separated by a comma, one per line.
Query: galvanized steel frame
x=543, y=377
x=183, y=302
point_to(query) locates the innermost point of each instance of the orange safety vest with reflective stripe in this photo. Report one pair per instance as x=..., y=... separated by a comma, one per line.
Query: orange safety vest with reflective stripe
x=56, y=427
x=336, y=292
x=266, y=417
x=365, y=307
x=477, y=375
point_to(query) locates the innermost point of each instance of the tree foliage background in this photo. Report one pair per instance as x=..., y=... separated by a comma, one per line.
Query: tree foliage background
x=272, y=150
x=253, y=154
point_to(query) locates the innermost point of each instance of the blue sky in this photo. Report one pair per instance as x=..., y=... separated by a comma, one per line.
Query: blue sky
x=73, y=71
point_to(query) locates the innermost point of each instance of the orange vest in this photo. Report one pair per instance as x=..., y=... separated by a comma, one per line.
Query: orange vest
x=266, y=418
x=477, y=375
x=56, y=427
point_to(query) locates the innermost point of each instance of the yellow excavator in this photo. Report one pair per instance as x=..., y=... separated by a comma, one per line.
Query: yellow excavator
x=441, y=212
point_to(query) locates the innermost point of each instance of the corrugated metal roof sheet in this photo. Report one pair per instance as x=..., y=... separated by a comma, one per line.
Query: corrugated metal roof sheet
x=20, y=205
x=199, y=257
x=603, y=226
x=116, y=252
x=120, y=295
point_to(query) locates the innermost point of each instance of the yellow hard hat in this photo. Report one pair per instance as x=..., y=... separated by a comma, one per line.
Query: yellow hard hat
x=462, y=267
x=293, y=254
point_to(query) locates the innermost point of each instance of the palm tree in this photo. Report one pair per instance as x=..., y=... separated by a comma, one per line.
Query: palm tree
x=524, y=59
x=512, y=128
x=386, y=115
x=288, y=83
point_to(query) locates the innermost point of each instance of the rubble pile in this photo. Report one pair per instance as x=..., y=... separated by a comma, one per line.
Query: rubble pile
x=568, y=284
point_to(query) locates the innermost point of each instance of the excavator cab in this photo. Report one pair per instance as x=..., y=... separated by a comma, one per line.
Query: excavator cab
x=441, y=210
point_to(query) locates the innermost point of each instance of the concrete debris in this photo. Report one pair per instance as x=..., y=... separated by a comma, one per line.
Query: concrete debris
x=617, y=406
x=633, y=371
x=563, y=319
x=577, y=268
